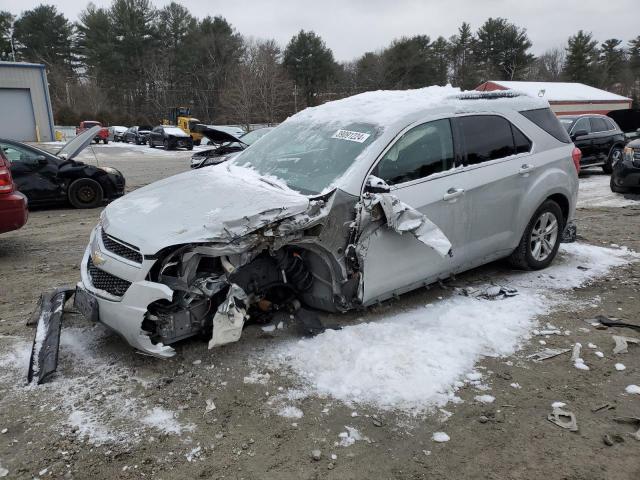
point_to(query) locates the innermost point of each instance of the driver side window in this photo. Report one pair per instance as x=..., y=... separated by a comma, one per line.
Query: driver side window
x=420, y=152
x=582, y=124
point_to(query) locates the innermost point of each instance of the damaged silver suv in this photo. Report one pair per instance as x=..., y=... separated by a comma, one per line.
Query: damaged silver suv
x=341, y=206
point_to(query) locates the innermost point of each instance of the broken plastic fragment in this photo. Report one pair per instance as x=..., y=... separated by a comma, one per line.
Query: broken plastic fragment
x=548, y=353
x=622, y=343
x=563, y=419
x=229, y=318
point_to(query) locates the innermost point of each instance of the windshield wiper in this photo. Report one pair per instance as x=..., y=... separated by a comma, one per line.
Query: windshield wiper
x=272, y=183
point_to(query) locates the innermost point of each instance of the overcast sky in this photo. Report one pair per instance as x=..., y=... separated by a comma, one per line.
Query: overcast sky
x=352, y=27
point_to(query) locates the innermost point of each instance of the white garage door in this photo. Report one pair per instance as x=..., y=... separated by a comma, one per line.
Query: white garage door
x=17, y=121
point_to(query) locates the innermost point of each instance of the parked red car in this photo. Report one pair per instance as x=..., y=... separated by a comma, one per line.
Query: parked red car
x=13, y=204
x=103, y=134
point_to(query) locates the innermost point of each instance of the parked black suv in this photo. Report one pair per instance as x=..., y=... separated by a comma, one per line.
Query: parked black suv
x=170, y=137
x=626, y=172
x=598, y=137
x=138, y=134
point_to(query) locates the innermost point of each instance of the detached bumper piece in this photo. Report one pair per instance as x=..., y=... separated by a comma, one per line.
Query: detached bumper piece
x=570, y=233
x=46, y=341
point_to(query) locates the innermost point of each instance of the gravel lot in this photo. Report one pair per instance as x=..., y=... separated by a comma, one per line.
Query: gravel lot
x=111, y=413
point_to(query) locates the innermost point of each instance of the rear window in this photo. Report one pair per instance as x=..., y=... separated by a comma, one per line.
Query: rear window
x=547, y=121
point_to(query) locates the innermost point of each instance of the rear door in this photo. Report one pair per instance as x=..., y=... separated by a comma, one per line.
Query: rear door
x=601, y=137
x=498, y=167
x=419, y=169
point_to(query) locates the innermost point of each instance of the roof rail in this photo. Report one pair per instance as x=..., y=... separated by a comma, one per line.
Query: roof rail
x=492, y=95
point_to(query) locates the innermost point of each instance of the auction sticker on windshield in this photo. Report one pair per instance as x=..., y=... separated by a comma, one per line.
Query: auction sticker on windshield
x=351, y=136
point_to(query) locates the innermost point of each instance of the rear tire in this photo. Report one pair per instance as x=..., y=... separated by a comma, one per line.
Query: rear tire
x=85, y=193
x=541, y=239
x=614, y=156
x=151, y=145
x=105, y=141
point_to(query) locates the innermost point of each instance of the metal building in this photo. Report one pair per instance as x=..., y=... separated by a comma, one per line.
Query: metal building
x=565, y=98
x=25, y=105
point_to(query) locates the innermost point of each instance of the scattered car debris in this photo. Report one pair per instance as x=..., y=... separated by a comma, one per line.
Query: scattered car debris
x=547, y=353
x=634, y=421
x=563, y=419
x=492, y=292
x=622, y=343
x=316, y=455
x=48, y=320
x=611, y=440
x=604, y=406
x=610, y=322
x=210, y=406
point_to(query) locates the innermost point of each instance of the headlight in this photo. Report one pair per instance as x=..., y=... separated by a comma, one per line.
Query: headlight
x=627, y=154
x=110, y=170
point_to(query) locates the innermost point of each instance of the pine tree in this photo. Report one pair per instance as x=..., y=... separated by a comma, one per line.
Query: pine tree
x=408, y=63
x=611, y=62
x=309, y=63
x=6, y=27
x=582, y=58
x=502, y=50
x=463, y=62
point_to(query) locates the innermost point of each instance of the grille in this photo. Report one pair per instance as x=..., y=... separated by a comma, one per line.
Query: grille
x=120, y=249
x=107, y=282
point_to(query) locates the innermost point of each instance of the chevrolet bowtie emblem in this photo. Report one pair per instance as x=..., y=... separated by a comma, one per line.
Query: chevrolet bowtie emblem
x=97, y=258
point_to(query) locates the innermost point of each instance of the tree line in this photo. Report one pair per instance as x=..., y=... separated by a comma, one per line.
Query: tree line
x=131, y=62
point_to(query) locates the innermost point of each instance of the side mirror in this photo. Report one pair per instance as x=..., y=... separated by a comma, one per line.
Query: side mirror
x=376, y=185
x=579, y=133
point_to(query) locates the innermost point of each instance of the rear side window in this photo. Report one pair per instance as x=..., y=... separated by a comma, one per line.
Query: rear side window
x=599, y=125
x=490, y=137
x=547, y=121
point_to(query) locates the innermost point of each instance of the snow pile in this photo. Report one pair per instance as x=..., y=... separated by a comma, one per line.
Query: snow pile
x=620, y=367
x=163, y=420
x=633, y=389
x=440, y=437
x=418, y=359
x=289, y=411
x=595, y=192
x=385, y=107
x=349, y=437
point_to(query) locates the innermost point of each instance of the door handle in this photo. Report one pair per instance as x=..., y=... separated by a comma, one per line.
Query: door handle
x=452, y=194
x=526, y=169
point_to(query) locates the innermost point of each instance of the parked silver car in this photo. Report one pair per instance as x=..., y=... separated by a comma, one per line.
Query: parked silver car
x=341, y=206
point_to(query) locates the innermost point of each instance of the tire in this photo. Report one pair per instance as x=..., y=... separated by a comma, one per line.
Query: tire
x=151, y=145
x=197, y=142
x=165, y=144
x=105, y=141
x=535, y=252
x=85, y=193
x=190, y=147
x=617, y=188
x=614, y=156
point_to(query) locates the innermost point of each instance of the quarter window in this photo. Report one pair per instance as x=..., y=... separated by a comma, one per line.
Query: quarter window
x=422, y=151
x=490, y=137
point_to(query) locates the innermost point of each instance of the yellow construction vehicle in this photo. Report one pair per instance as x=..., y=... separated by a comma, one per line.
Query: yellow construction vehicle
x=181, y=117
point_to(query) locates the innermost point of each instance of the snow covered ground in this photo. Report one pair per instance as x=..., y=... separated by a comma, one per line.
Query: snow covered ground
x=417, y=359
x=595, y=192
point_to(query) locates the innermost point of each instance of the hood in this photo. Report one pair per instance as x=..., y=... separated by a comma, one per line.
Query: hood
x=73, y=147
x=215, y=204
x=214, y=135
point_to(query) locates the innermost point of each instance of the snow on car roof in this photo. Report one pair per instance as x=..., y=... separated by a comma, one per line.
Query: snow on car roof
x=560, y=91
x=385, y=107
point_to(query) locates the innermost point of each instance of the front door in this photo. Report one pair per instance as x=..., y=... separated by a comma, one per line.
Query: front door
x=419, y=169
x=584, y=142
x=35, y=174
x=601, y=137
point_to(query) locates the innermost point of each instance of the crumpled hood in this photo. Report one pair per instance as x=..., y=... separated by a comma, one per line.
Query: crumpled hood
x=214, y=204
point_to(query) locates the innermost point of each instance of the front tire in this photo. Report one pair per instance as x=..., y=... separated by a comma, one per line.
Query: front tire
x=617, y=188
x=105, y=141
x=85, y=193
x=166, y=145
x=541, y=239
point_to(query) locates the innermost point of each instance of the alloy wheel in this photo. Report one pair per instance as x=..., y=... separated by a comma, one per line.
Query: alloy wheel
x=544, y=236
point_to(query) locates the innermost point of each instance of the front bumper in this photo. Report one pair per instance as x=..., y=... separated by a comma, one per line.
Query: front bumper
x=626, y=174
x=123, y=314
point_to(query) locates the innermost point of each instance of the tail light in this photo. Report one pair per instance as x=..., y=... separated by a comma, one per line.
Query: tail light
x=6, y=182
x=576, y=156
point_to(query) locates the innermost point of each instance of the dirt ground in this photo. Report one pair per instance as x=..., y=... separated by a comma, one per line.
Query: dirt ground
x=58, y=430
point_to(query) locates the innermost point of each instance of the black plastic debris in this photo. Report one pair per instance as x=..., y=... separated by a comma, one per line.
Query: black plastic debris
x=46, y=342
x=608, y=322
x=310, y=324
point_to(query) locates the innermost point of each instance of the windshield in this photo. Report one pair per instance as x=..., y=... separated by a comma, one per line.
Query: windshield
x=251, y=137
x=566, y=123
x=309, y=157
